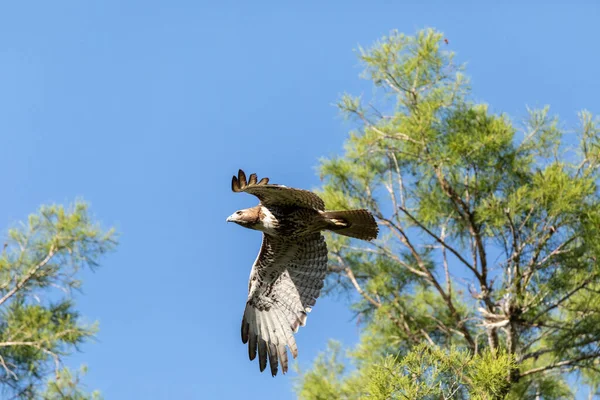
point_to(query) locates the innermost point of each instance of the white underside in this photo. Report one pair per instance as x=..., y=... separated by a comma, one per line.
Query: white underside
x=269, y=222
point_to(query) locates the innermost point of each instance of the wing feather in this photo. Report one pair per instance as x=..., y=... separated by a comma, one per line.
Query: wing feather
x=245, y=331
x=242, y=178
x=252, y=180
x=271, y=195
x=272, y=341
x=262, y=353
x=289, y=341
x=235, y=184
x=285, y=282
x=252, y=340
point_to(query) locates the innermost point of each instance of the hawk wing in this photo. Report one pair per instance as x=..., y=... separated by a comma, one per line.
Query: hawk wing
x=285, y=281
x=270, y=194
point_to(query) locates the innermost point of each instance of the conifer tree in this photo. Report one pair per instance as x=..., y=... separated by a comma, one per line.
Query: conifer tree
x=39, y=323
x=485, y=282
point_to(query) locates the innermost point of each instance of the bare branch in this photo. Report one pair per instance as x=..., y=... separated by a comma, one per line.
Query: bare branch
x=56, y=360
x=395, y=135
x=393, y=83
x=18, y=343
x=534, y=264
x=354, y=282
x=529, y=214
x=400, y=180
x=441, y=241
x=37, y=345
x=556, y=251
x=8, y=370
x=559, y=364
x=564, y=298
x=28, y=276
x=536, y=354
x=464, y=211
x=401, y=235
x=516, y=254
x=384, y=251
x=445, y=260
x=390, y=188
x=432, y=279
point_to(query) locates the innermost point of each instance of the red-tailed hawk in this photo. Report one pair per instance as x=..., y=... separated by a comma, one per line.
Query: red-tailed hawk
x=288, y=273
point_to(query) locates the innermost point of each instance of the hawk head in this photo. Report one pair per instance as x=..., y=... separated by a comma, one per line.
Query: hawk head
x=246, y=218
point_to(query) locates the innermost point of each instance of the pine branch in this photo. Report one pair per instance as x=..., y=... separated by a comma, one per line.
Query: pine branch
x=559, y=364
x=28, y=276
x=564, y=298
x=441, y=241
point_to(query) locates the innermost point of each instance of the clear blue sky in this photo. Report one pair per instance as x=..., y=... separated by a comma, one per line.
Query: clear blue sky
x=147, y=108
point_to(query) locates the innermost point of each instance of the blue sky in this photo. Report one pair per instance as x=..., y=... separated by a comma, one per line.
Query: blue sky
x=146, y=109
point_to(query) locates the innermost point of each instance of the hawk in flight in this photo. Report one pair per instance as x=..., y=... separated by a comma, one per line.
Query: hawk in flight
x=288, y=273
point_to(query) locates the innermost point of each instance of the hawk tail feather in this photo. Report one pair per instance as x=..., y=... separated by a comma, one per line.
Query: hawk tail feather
x=358, y=224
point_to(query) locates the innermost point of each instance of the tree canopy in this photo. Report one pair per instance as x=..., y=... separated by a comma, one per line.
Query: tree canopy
x=39, y=323
x=484, y=283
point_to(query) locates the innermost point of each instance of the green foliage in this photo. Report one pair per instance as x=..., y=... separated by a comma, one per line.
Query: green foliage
x=39, y=323
x=67, y=386
x=484, y=282
x=323, y=381
x=423, y=373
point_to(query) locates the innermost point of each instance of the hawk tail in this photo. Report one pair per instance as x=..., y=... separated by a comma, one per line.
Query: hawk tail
x=358, y=224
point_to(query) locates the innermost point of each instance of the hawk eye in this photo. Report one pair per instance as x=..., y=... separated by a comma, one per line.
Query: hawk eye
x=239, y=213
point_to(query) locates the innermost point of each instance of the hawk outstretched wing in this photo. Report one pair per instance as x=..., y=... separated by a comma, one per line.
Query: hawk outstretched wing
x=280, y=195
x=285, y=281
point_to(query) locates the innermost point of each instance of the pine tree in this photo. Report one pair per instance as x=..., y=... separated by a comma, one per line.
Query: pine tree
x=39, y=323
x=485, y=281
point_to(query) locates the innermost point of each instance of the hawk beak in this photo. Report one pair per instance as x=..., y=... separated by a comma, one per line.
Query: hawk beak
x=229, y=219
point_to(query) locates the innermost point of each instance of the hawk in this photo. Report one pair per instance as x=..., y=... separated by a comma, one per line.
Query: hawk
x=288, y=274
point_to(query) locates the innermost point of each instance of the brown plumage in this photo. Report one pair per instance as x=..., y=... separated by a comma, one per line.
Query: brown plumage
x=288, y=274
